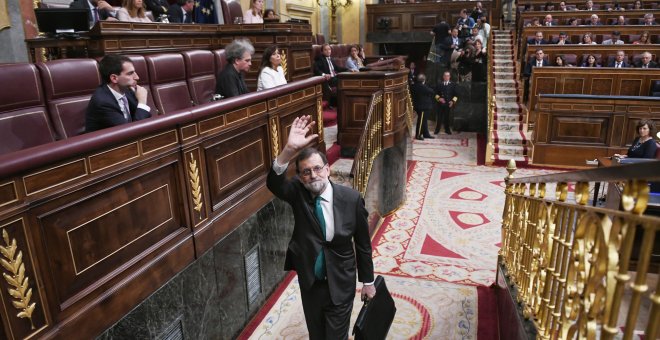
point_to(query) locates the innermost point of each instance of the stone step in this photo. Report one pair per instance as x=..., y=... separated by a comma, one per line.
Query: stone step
x=508, y=117
x=340, y=172
x=506, y=126
x=504, y=91
x=503, y=75
x=509, y=150
x=506, y=97
x=506, y=105
x=498, y=157
x=509, y=138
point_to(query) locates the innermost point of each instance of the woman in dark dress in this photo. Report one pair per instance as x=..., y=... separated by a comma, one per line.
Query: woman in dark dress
x=644, y=146
x=479, y=63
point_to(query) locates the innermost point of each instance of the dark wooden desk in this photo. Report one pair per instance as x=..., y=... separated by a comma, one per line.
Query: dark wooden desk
x=55, y=48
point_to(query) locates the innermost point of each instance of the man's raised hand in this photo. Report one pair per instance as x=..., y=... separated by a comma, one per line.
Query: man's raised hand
x=298, y=138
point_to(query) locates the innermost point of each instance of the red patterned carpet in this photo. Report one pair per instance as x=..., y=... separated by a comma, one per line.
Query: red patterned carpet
x=437, y=252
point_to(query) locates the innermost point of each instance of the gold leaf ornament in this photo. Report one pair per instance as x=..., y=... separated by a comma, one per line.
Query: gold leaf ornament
x=20, y=291
x=283, y=61
x=195, y=184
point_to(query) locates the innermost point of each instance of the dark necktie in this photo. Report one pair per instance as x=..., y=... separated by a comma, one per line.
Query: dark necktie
x=319, y=265
x=96, y=14
x=618, y=65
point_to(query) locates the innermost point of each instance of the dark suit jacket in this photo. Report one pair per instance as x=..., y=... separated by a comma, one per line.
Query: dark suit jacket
x=652, y=64
x=307, y=241
x=230, y=83
x=531, y=64
x=450, y=41
x=533, y=42
x=613, y=63
x=321, y=66
x=447, y=92
x=83, y=4
x=423, y=97
x=103, y=110
x=176, y=15
x=158, y=7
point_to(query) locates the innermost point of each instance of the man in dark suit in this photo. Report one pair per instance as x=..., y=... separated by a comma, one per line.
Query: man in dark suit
x=454, y=41
x=330, y=236
x=181, y=12
x=98, y=10
x=537, y=40
x=537, y=61
x=619, y=61
x=423, y=101
x=120, y=99
x=230, y=82
x=446, y=96
x=563, y=39
x=646, y=61
x=324, y=66
x=159, y=8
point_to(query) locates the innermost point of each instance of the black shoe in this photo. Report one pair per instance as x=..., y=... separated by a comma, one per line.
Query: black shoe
x=448, y=132
x=419, y=138
x=429, y=137
x=437, y=131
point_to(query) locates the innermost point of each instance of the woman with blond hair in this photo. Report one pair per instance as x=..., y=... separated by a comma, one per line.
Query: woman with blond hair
x=132, y=11
x=254, y=15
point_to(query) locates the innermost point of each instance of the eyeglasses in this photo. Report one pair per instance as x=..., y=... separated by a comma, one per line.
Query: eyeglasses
x=317, y=170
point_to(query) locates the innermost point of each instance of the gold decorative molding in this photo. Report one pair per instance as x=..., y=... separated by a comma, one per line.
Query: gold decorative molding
x=284, y=62
x=319, y=119
x=388, y=109
x=193, y=172
x=22, y=293
x=274, y=137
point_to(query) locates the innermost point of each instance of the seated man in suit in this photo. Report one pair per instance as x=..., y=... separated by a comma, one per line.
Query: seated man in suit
x=454, y=41
x=330, y=240
x=537, y=61
x=615, y=40
x=120, y=99
x=547, y=21
x=98, y=10
x=594, y=20
x=160, y=9
x=619, y=61
x=646, y=61
x=181, y=12
x=649, y=20
x=563, y=39
x=537, y=40
x=446, y=96
x=325, y=67
x=230, y=82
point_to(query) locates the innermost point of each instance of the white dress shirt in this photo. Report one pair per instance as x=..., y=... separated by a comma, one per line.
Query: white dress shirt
x=120, y=102
x=269, y=78
x=249, y=18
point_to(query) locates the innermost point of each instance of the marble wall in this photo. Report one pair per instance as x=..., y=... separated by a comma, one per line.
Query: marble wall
x=209, y=299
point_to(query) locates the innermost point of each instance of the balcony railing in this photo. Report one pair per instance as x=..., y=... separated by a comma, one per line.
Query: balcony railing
x=573, y=264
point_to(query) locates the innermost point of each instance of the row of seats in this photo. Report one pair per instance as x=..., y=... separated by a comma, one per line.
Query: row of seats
x=574, y=59
x=587, y=21
x=598, y=38
x=45, y=102
x=542, y=7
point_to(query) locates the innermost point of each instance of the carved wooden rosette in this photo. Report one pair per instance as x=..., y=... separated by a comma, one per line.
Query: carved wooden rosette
x=273, y=131
x=319, y=119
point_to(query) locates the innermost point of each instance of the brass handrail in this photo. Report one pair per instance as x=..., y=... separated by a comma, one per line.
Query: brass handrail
x=491, y=101
x=570, y=261
x=371, y=143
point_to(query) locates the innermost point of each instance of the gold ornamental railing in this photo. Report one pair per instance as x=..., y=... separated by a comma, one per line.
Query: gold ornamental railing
x=491, y=100
x=371, y=143
x=573, y=264
x=409, y=111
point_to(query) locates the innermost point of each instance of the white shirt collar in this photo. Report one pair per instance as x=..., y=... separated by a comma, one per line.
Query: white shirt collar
x=328, y=193
x=117, y=95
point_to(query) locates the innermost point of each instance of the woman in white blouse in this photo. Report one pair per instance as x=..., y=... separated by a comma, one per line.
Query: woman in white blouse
x=133, y=11
x=271, y=73
x=254, y=15
x=354, y=62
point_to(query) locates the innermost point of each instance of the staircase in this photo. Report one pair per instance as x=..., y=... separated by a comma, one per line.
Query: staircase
x=508, y=135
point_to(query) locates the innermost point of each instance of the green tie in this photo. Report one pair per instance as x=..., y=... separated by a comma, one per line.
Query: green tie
x=319, y=265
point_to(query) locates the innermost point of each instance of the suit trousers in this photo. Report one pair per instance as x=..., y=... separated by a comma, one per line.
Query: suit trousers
x=443, y=118
x=324, y=319
x=422, y=123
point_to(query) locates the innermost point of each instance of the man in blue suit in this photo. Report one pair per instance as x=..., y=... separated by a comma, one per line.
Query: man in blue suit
x=119, y=100
x=619, y=61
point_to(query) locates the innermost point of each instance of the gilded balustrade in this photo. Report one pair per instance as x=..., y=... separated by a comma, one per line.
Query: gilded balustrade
x=491, y=102
x=571, y=261
x=371, y=143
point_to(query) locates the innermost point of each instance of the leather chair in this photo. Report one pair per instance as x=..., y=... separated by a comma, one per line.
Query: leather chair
x=168, y=82
x=225, y=12
x=655, y=88
x=220, y=60
x=200, y=75
x=571, y=59
x=234, y=10
x=141, y=69
x=68, y=84
x=24, y=121
x=320, y=39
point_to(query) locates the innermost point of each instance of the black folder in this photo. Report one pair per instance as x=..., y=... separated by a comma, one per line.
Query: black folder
x=376, y=316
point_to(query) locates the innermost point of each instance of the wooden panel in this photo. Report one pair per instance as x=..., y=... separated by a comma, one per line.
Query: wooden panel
x=571, y=85
x=631, y=87
x=545, y=85
x=13, y=232
x=8, y=193
x=57, y=175
x=600, y=86
x=97, y=230
x=159, y=141
x=582, y=129
x=113, y=157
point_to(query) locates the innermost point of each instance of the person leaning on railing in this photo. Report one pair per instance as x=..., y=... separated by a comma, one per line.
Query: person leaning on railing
x=644, y=146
